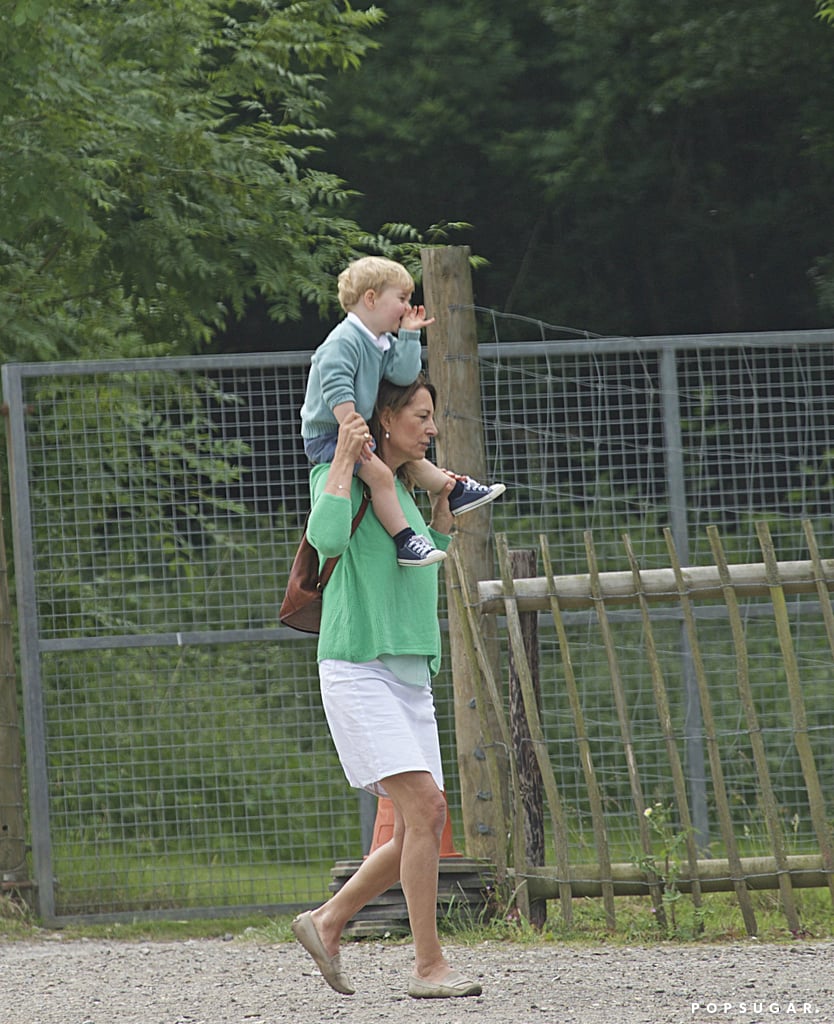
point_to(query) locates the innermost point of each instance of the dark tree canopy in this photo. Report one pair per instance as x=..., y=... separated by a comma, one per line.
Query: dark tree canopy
x=639, y=167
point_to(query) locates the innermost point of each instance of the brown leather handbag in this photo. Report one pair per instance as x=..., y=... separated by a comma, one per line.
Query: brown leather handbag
x=301, y=607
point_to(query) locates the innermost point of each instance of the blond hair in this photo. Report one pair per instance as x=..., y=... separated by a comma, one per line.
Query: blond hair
x=371, y=272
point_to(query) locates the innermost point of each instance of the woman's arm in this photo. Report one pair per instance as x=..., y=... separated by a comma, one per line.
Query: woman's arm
x=328, y=528
x=353, y=436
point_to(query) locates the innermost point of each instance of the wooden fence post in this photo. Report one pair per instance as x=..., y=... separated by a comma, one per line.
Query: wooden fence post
x=531, y=784
x=453, y=369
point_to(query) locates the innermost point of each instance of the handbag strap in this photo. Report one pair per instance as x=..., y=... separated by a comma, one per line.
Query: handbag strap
x=330, y=563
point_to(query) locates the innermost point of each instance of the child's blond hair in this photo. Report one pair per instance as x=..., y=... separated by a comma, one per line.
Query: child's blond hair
x=374, y=272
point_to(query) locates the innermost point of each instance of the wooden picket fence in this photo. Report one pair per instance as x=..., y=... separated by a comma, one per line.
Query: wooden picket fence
x=479, y=608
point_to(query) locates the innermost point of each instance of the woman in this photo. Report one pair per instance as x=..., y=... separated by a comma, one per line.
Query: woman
x=378, y=647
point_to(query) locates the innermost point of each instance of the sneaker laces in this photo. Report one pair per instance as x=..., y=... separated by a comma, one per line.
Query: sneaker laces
x=419, y=545
x=474, y=487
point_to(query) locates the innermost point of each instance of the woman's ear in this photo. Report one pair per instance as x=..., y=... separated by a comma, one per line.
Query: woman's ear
x=385, y=421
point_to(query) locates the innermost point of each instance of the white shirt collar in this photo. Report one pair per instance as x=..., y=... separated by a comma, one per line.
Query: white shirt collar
x=382, y=342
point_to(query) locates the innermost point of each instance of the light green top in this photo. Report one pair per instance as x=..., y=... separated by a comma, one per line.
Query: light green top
x=372, y=606
x=408, y=668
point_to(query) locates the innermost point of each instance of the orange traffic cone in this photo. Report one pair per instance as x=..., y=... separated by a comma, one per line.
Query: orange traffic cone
x=384, y=829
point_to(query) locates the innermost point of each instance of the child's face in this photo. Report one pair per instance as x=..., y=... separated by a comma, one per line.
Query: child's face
x=385, y=309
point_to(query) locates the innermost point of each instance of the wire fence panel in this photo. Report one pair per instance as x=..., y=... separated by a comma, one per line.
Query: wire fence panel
x=581, y=431
x=598, y=436
x=177, y=751
x=177, y=754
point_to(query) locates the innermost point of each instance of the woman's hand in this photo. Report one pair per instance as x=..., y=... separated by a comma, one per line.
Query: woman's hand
x=442, y=519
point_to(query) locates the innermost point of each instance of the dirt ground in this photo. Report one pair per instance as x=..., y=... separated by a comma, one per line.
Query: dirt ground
x=60, y=981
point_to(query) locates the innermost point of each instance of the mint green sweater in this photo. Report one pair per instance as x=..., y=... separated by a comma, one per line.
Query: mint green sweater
x=347, y=367
x=372, y=605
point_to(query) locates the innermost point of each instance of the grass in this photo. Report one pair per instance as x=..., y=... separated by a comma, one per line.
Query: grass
x=116, y=881
x=717, y=921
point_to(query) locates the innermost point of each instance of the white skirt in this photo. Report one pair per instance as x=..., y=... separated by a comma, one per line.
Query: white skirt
x=380, y=726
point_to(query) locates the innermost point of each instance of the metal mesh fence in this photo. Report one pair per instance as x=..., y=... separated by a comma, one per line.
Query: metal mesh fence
x=629, y=437
x=599, y=435
x=649, y=744
x=177, y=753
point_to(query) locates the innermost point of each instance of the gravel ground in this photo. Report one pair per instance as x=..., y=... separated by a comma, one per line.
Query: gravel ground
x=242, y=982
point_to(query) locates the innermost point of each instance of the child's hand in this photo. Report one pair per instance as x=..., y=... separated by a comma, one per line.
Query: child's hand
x=414, y=319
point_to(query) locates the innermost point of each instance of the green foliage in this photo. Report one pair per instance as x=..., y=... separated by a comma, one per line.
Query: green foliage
x=161, y=470
x=672, y=154
x=666, y=860
x=155, y=170
x=634, y=168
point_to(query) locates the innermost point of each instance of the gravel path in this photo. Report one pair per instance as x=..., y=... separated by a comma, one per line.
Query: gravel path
x=242, y=982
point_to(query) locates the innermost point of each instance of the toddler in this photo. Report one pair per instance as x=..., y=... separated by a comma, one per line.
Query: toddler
x=379, y=337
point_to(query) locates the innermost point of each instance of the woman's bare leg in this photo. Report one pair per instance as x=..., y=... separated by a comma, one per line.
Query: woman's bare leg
x=412, y=856
x=422, y=807
x=375, y=876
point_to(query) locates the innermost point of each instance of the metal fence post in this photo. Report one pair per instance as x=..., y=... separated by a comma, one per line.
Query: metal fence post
x=676, y=493
x=12, y=834
x=29, y=660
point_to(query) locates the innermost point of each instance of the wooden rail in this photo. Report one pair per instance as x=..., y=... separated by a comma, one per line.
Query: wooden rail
x=700, y=581
x=805, y=872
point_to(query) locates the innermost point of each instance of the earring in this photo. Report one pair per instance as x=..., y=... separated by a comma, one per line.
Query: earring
x=387, y=435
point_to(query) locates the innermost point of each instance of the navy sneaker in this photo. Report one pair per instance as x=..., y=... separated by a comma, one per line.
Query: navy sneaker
x=418, y=551
x=474, y=496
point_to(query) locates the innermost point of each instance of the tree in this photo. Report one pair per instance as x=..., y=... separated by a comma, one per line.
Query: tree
x=454, y=89
x=691, y=154
x=637, y=167
x=155, y=169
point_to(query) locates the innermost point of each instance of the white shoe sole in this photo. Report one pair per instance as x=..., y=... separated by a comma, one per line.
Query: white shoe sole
x=436, y=556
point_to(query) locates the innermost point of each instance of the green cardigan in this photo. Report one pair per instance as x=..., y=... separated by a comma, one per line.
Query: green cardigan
x=372, y=605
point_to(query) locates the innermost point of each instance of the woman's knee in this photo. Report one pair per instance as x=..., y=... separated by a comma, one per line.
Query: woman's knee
x=421, y=805
x=436, y=813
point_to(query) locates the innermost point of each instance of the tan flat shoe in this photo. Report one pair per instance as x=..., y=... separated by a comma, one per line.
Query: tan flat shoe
x=305, y=931
x=454, y=984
